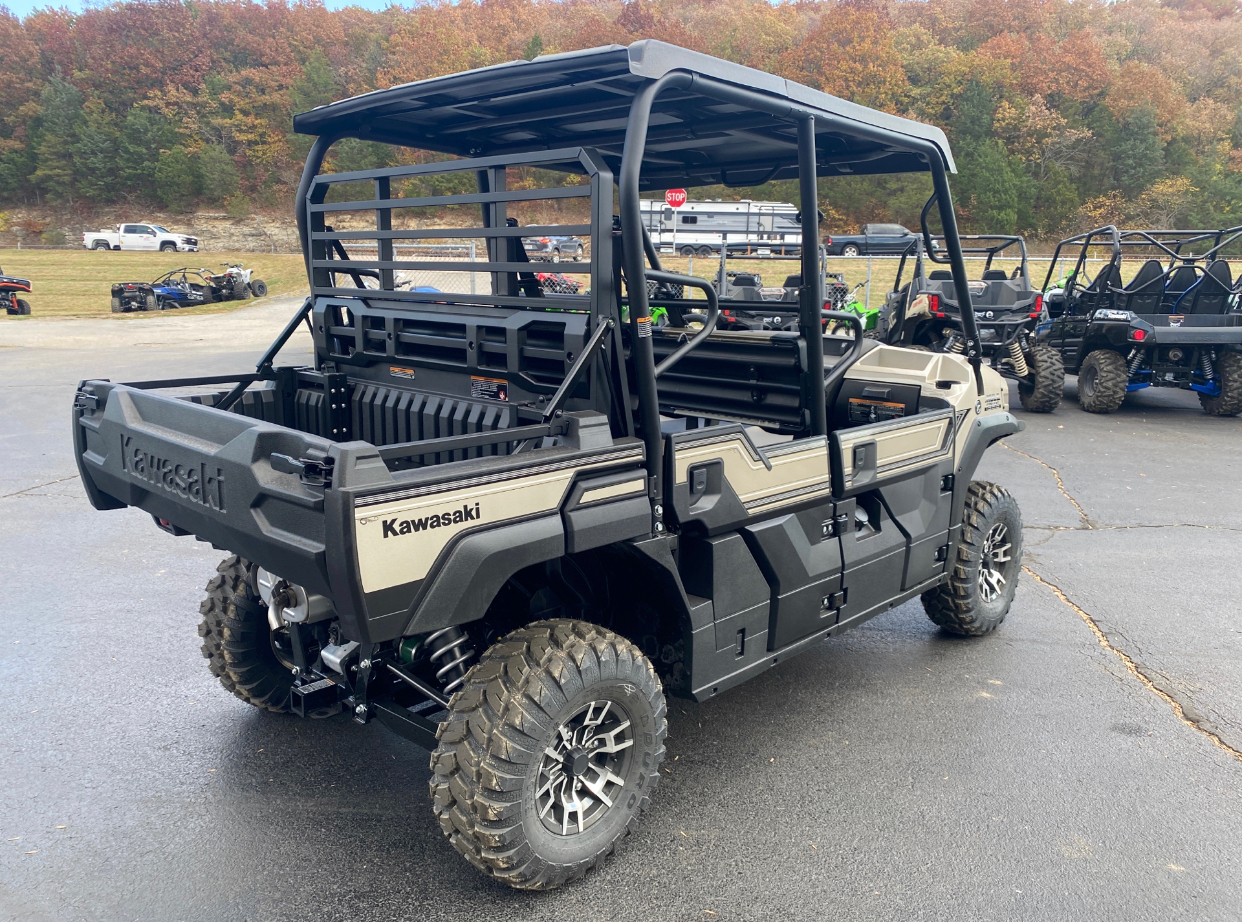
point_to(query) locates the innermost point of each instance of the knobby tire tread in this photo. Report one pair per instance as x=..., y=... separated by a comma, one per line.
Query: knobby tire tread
x=1229, y=401
x=490, y=738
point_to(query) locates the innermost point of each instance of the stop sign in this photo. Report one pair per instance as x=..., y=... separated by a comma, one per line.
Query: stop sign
x=675, y=197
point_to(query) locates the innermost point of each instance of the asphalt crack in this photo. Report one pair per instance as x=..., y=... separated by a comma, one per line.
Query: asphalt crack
x=39, y=486
x=1087, y=524
x=1184, y=712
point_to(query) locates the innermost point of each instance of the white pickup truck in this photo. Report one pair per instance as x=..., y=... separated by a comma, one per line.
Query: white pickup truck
x=139, y=237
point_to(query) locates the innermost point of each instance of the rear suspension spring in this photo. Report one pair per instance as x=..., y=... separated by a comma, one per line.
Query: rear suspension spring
x=954, y=344
x=1205, y=364
x=449, y=644
x=1136, y=361
x=1019, y=360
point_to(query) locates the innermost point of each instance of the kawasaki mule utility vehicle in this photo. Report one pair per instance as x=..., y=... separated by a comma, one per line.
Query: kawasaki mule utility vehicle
x=504, y=522
x=924, y=313
x=1176, y=323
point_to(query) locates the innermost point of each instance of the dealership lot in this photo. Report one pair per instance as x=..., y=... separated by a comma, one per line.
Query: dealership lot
x=1082, y=762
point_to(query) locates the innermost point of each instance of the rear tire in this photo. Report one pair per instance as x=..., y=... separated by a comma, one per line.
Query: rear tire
x=117, y=307
x=703, y=251
x=578, y=253
x=687, y=251
x=1102, y=381
x=1229, y=401
x=982, y=581
x=502, y=785
x=100, y=245
x=237, y=640
x=849, y=250
x=1048, y=371
x=241, y=291
x=151, y=303
x=259, y=287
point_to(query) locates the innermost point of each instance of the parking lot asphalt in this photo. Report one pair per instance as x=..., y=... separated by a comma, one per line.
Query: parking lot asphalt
x=1083, y=762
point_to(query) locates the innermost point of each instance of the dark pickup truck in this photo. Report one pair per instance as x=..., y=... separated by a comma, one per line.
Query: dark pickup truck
x=872, y=240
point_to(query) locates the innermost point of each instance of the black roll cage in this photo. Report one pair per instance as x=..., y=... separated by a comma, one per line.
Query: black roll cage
x=777, y=100
x=925, y=245
x=1179, y=247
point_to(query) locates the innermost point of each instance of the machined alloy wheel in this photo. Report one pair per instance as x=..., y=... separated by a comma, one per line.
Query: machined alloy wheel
x=849, y=250
x=556, y=256
x=582, y=774
x=578, y=253
x=992, y=561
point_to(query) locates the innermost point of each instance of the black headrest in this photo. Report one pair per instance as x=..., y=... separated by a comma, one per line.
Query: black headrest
x=793, y=281
x=940, y=275
x=1181, y=279
x=995, y=275
x=1148, y=273
x=744, y=281
x=1109, y=277
x=1219, y=270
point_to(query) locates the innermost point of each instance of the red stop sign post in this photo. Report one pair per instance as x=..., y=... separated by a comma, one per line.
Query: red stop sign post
x=675, y=197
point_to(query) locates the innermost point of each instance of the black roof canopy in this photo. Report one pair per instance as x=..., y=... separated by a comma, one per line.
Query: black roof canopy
x=582, y=99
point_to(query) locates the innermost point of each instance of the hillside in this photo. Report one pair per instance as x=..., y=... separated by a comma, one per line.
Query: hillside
x=1062, y=114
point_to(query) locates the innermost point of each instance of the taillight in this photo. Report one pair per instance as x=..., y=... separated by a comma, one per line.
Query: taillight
x=933, y=303
x=545, y=240
x=727, y=313
x=1039, y=306
x=1138, y=335
x=828, y=241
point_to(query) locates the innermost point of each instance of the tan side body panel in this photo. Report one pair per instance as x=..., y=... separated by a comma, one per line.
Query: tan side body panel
x=799, y=469
x=399, y=541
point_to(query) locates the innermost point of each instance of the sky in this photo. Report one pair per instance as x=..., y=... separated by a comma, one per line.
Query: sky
x=25, y=7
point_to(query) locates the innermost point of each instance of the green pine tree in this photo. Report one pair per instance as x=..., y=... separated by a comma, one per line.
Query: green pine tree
x=176, y=180
x=57, y=136
x=143, y=135
x=1138, y=152
x=218, y=176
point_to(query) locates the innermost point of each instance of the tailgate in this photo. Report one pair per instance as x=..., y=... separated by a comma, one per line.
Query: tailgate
x=206, y=472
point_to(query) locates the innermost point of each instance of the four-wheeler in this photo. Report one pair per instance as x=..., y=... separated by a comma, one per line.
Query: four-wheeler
x=1176, y=323
x=177, y=288
x=140, y=237
x=871, y=240
x=10, y=288
x=554, y=248
x=235, y=283
x=506, y=524
x=923, y=313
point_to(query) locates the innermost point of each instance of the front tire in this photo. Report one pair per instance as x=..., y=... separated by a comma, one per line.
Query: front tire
x=237, y=639
x=982, y=580
x=1229, y=401
x=1043, y=395
x=168, y=248
x=259, y=287
x=578, y=254
x=550, y=753
x=1102, y=381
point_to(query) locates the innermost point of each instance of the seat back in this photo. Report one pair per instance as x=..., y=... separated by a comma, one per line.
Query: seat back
x=1145, y=291
x=1211, y=294
x=994, y=275
x=940, y=275
x=1181, y=280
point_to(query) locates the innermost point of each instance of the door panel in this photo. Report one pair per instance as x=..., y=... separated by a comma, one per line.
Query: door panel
x=865, y=457
x=719, y=480
x=800, y=556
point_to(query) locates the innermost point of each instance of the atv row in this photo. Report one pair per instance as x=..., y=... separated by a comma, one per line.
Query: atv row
x=186, y=287
x=924, y=312
x=1177, y=323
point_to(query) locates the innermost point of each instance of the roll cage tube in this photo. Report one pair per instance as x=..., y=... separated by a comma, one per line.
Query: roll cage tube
x=1085, y=239
x=948, y=222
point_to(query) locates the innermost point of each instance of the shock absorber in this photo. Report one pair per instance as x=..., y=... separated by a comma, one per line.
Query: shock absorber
x=953, y=342
x=449, y=650
x=1136, y=361
x=1019, y=360
x=1206, y=366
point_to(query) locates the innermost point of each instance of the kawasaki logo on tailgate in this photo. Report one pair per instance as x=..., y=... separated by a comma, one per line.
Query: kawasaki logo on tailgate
x=395, y=527
x=196, y=482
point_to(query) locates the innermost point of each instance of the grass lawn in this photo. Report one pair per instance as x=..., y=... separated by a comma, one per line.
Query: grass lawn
x=78, y=283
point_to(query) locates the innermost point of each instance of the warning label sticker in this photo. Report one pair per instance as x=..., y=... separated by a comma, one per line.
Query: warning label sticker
x=874, y=411
x=489, y=388
x=398, y=372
